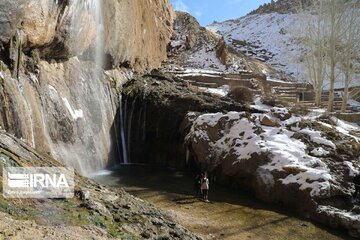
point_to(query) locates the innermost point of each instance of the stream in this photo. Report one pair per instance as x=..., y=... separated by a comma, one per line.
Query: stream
x=230, y=215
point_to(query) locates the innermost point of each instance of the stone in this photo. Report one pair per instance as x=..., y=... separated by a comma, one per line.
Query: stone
x=280, y=113
x=267, y=120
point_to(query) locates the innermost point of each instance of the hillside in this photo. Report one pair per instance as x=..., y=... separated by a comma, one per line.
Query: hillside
x=273, y=35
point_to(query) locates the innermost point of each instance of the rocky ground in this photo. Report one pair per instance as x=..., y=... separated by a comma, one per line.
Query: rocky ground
x=95, y=211
x=11, y=228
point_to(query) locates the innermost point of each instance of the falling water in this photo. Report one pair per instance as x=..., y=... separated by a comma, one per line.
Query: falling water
x=89, y=152
x=122, y=134
x=129, y=128
x=27, y=110
x=145, y=108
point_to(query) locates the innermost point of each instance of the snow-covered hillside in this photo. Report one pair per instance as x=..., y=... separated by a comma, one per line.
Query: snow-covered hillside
x=272, y=38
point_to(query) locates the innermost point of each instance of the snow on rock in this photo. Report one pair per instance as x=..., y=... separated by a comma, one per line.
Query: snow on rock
x=320, y=152
x=351, y=130
x=316, y=180
x=53, y=89
x=193, y=46
x=336, y=217
x=75, y=114
x=221, y=91
x=281, y=113
x=259, y=105
x=210, y=119
x=317, y=138
x=348, y=129
x=244, y=136
x=352, y=170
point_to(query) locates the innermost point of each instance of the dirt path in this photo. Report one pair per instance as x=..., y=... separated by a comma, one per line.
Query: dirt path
x=229, y=216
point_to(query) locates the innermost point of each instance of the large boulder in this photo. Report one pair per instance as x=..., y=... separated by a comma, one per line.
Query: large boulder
x=293, y=162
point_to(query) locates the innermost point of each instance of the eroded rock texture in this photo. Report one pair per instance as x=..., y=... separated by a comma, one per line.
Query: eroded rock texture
x=136, y=32
x=54, y=93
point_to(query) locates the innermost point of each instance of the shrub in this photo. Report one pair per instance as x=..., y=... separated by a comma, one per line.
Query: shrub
x=270, y=100
x=241, y=94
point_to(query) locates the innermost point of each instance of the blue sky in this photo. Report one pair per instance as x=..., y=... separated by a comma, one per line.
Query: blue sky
x=206, y=11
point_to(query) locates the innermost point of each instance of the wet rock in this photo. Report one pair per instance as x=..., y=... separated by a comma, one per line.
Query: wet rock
x=64, y=29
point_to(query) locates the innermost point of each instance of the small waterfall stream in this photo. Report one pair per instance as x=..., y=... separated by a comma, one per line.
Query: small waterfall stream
x=122, y=133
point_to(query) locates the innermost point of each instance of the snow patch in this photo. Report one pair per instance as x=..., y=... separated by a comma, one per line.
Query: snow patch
x=260, y=106
x=316, y=137
x=320, y=152
x=221, y=91
x=352, y=170
x=52, y=89
x=75, y=114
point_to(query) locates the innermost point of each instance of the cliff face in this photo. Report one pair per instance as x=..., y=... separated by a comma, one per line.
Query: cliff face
x=135, y=31
x=53, y=94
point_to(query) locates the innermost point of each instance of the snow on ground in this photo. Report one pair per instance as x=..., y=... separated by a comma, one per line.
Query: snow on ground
x=205, y=59
x=273, y=38
x=221, y=91
x=241, y=138
x=348, y=129
x=354, y=103
x=259, y=105
x=315, y=113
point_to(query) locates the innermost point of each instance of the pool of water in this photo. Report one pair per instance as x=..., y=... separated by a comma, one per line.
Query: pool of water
x=230, y=215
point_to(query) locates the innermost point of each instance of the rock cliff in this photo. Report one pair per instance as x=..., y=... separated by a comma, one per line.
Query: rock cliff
x=135, y=32
x=54, y=93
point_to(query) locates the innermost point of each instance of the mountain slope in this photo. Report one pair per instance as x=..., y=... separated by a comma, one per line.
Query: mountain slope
x=271, y=37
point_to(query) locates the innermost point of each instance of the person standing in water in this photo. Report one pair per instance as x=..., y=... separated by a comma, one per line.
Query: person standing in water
x=205, y=187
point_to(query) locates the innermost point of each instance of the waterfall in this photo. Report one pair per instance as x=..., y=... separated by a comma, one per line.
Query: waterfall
x=129, y=128
x=90, y=96
x=133, y=111
x=143, y=137
x=68, y=112
x=122, y=133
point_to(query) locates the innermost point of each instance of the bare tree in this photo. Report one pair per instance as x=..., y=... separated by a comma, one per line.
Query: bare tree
x=314, y=41
x=350, y=48
x=334, y=17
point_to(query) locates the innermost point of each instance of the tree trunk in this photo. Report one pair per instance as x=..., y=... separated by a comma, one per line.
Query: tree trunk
x=346, y=93
x=318, y=93
x=332, y=86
